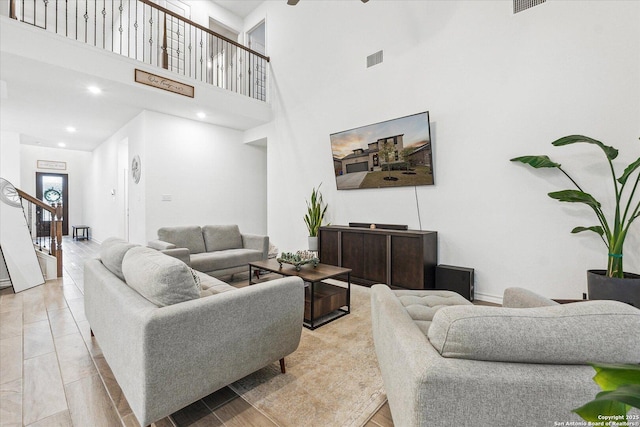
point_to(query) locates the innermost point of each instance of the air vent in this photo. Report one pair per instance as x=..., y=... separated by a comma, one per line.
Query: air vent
x=374, y=59
x=520, y=5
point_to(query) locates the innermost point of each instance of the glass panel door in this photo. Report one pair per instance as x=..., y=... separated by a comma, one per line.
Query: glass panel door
x=52, y=189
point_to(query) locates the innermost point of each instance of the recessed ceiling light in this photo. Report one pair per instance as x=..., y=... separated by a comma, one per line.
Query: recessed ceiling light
x=95, y=90
x=70, y=129
x=61, y=144
x=201, y=115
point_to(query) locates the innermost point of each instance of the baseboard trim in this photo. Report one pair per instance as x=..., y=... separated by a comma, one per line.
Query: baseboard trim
x=5, y=283
x=488, y=298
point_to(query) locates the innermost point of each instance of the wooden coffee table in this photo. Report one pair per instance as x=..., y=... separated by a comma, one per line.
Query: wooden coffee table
x=323, y=302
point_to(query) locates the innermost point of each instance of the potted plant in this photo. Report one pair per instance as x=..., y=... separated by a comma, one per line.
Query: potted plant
x=620, y=386
x=612, y=283
x=316, y=209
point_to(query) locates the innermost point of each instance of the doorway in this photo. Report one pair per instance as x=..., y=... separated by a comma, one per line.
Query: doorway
x=223, y=56
x=51, y=188
x=257, y=81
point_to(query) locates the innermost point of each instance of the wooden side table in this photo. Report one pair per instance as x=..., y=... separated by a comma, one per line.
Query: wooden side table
x=80, y=236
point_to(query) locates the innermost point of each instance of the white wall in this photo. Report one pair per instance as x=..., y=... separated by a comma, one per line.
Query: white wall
x=206, y=170
x=497, y=85
x=77, y=164
x=105, y=203
x=10, y=157
x=210, y=175
x=201, y=11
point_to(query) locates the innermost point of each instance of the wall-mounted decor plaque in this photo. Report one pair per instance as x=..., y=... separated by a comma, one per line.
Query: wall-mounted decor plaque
x=50, y=164
x=164, y=83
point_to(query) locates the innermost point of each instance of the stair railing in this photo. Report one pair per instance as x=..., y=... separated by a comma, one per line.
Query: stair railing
x=147, y=32
x=50, y=241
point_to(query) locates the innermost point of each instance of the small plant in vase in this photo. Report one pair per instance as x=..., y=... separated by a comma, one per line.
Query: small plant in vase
x=298, y=259
x=316, y=209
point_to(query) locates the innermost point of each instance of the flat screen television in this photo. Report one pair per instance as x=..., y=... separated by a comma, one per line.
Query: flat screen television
x=393, y=153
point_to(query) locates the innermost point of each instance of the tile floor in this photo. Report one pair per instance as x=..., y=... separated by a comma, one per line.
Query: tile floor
x=52, y=373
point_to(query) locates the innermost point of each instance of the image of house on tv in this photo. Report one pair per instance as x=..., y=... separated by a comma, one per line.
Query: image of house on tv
x=390, y=160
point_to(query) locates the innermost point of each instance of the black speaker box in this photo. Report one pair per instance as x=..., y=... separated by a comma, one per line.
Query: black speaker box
x=457, y=279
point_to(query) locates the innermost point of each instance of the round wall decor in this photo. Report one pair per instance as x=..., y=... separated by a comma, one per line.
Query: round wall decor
x=136, y=168
x=52, y=195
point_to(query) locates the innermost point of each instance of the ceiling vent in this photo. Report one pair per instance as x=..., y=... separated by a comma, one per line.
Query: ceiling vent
x=520, y=5
x=374, y=59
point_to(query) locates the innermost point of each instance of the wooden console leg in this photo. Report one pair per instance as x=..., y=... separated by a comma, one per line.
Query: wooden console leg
x=91, y=330
x=282, y=368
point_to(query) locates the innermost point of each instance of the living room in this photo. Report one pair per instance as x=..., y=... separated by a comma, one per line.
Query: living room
x=515, y=83
x=496, y=84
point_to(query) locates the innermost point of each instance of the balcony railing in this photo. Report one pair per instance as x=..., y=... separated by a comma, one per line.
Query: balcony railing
x=147, y=32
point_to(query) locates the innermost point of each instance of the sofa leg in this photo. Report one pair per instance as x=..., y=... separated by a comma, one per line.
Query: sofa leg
x=282, y=368
x=91, y=330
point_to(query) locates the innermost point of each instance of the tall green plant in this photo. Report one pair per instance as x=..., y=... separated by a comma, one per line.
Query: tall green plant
x=613, y=233
x=316, y=209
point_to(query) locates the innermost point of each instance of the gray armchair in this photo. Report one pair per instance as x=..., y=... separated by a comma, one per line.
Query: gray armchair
x=499, y=366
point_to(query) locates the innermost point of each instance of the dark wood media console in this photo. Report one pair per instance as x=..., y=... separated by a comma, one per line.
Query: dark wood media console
x=399, y=258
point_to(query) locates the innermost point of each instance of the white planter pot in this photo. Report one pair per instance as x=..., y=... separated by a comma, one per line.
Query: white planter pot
x=313, y=243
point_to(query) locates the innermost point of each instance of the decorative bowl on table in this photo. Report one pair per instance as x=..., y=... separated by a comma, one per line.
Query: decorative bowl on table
x=298, y=259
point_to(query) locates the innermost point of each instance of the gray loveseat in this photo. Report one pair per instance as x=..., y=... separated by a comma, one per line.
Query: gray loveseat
x=170, y=341
x=218, y=250
x=466, y=365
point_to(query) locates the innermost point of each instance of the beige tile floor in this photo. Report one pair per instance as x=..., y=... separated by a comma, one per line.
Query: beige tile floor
x=52, y=373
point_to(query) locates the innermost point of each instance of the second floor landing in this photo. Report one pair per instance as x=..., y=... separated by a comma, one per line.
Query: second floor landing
x=46, y=76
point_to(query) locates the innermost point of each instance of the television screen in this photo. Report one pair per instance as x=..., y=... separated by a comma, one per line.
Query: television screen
x=393, y=153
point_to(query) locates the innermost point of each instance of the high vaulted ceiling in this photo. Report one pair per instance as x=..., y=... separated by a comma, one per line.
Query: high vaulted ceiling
x=40, y=98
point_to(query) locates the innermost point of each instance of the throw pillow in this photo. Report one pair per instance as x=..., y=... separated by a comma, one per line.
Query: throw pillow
x=196, y=279
x=112, y=252
x=161, y=279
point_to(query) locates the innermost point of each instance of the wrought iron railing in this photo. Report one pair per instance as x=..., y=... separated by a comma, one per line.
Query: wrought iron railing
x=147, y=32
x=45, y=225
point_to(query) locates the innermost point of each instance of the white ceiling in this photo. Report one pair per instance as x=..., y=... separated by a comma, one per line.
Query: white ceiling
x=39, y=100
x=40, y=111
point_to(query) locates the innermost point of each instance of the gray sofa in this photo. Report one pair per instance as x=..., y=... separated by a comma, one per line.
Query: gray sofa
x=172, y=336
x=217, y=250
x=447, y=362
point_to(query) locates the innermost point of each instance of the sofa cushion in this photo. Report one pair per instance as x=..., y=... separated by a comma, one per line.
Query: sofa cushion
x=212, y=286
x=161, y=279
x=422, y=305
x=112, y=252
x=189, y=237
x=221, y=237
x=212, y=261
x=524, y=298
x=577, y=333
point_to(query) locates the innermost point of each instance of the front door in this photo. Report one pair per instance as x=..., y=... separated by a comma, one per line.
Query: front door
x=51, y=188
